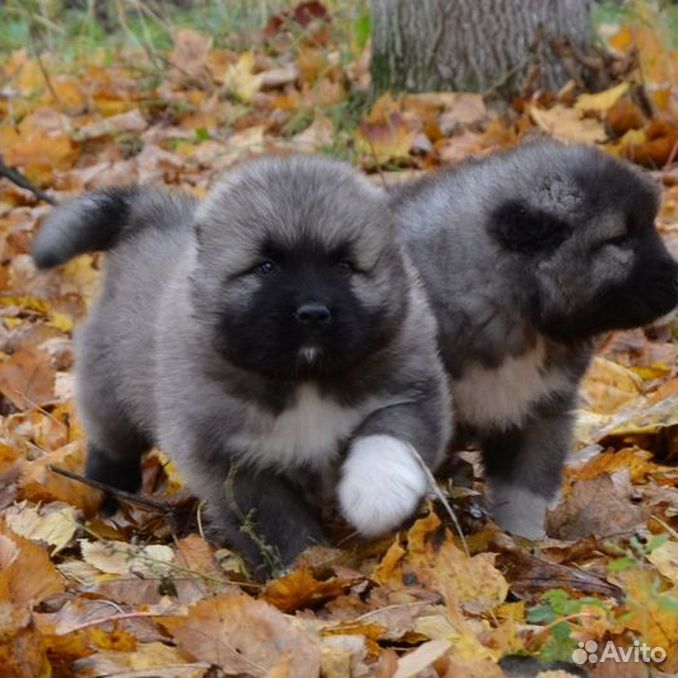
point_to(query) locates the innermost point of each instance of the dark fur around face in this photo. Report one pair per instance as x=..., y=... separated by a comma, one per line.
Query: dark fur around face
x=299, y=293
x=586, y=247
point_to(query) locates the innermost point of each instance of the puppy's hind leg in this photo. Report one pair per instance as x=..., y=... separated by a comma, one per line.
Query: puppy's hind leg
x=114, y=445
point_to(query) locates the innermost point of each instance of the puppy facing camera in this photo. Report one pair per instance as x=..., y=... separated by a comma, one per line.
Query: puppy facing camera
x=274, y=334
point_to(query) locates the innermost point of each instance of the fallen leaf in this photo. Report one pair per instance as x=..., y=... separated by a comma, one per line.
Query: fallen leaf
x=55, y=526
x=529, y=574
x=568, y=124
x=241, y=80
x=384, y=142
x=300, y=588
x=189, y=56
x=433, y=560
x=27, y=575
x=130, y=121
x=342, y=656
x=27, y=378
x=665, y=559
x=119, y=557
x=243, y=635
x=419, y=660
x=601, y=102
x=608, y=386
x=39, y=483
x=596, y=506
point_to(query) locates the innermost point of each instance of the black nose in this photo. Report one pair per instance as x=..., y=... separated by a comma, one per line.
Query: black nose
x=313, y=314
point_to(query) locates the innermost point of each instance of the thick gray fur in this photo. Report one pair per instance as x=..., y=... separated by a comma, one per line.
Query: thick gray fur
x=517, y=315
x=152, y=367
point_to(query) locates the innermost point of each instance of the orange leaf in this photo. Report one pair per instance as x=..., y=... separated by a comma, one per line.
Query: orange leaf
x=27, y=378
x=27, y=575
x=300, y=588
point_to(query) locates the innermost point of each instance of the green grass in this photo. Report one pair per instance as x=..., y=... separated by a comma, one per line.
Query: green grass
x=74, y=28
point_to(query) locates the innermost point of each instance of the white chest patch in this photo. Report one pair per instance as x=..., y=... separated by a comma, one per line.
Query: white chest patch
x=503, y=396
x=307, y=434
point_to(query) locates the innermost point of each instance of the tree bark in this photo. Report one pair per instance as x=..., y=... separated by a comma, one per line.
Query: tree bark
x=477, y=45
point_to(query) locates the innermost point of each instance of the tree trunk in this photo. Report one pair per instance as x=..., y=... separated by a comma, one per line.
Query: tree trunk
x=478, y=45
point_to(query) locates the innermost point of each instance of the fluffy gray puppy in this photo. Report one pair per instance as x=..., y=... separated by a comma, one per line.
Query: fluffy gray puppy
x=527, y=255
x=258, y=336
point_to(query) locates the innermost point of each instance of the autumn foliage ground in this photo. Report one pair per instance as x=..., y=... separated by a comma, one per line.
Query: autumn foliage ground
x=144, y=593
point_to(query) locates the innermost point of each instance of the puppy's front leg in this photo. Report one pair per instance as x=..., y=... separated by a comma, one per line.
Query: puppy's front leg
x=261, y=514
x=523, y=469
x=382, y=480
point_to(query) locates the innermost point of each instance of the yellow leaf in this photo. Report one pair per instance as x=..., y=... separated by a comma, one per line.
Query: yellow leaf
x=119, y=557
x=657, y=624
x=635, y=461
x=601, y=102
x=609, y=386
x=473, y=583
x=665, y=559
x=241, y=80
x=55, y=527
x=61, y=321
x=567, y=124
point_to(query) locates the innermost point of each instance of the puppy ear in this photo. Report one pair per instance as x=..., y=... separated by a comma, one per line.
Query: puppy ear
x=520, y=228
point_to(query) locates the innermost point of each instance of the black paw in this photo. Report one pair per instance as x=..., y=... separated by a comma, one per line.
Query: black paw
x=120, y=474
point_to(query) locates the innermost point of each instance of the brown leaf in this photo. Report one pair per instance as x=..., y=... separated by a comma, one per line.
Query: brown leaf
x=23, y=651
x=243, y=635
x=596, y=506
x=384, y=142
x=189, y=56
x=529, y=574
x=27, y=378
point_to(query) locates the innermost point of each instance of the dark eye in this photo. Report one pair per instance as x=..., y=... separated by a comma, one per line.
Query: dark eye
x=345, y=267
x=620, y=239
x=267, y=267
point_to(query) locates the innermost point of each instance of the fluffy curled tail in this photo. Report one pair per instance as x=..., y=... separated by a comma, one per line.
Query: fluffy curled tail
x=95, y=221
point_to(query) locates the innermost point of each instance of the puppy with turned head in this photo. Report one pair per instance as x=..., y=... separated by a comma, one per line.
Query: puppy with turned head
x=527, y=255
x=270, y=336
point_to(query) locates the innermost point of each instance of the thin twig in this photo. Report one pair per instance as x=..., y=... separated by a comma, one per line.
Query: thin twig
x=114, y=618
x=22, y=181
x=41, y=66
x=121, y=494
x=436, y=490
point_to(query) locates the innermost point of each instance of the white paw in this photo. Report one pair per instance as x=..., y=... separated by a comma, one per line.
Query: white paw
x=518, y=510
x=381, y=484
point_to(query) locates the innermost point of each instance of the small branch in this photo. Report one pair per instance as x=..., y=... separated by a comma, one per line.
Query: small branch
x=22, y=181
x=121, y=494
x=41, y=66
